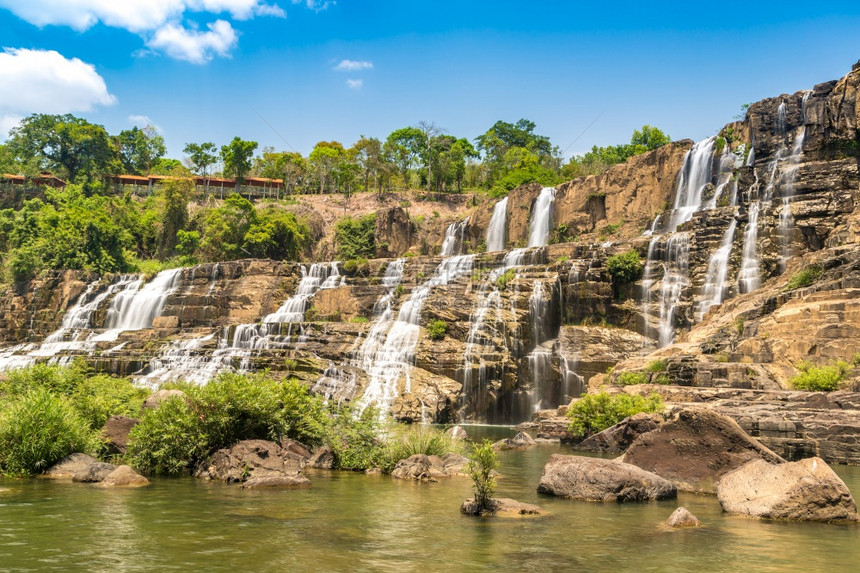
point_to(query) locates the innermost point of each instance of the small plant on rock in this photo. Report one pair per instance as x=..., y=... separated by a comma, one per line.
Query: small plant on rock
x=594, y=413
x=820, y=378
x=631, y=378
x=659, y=365
x=436, y=329
x=482, y=462
x=804, y=277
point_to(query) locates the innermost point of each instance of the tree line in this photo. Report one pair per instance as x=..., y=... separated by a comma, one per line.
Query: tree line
x=422, y=156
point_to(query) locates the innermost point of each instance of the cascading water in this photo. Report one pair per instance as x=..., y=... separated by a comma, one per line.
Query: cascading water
x=320, y=276
x=749, y=277
x=496, y=229
x=696, y=172
x=789, y=182
x=718, y=268
x=452, y=244
x=671, y=255
x=135, y=307
x=540, y=358
x=541, y=218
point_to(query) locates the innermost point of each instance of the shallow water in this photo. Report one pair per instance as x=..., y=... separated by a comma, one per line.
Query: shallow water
x=353, y=522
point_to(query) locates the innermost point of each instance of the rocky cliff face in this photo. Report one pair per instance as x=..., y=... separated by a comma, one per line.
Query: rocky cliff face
x=722, y=227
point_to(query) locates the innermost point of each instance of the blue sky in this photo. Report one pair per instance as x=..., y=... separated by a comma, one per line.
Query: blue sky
x=202, y=70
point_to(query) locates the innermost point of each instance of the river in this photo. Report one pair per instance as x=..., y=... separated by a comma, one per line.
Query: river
x=352, y=522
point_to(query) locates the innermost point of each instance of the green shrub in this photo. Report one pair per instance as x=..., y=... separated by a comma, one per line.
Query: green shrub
x=658, y=365
x=820, y=378
x=631, y=378
x=625, y=267
x=355, y=237
x=399, y=290
x=436, y=329
x=804, y=277
x=355, y=439
x=359, y=319
x=482, y=462
x=38, y=429
x=358, y=266
x=855, y=360
x=505, y=278
x=662, y=379
x=405, y=441
x=595, y=412
x=168, y=440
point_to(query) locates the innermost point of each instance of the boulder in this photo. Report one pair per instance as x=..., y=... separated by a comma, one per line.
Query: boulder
x=251, y=458
x=70, y=465
x=94, y=472
x=322, y=459
x=457, y=433
x=683, y=518
x=521, y=440
x=164, y=322
x=427, y=468
x=596, y=479
x=124, y=476
x=154, y=400
x=275, y=481
x=502, y=507
x=695, y=449
x=115, y=432
x=617, y=438
x=296, y=447
x=806, y=490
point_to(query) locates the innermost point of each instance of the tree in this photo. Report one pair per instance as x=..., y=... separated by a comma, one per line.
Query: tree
x=323, y=160
x=201, y=156
x=139, y=149
x=503, y=137
x=224, y=229
x=405, y=146
x=287, y=166
x=174, y=194
x=370, y=160
x=649, y=137
x=236, y=156
x=65, y=144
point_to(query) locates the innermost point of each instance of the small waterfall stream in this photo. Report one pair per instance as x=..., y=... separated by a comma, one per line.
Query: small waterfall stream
x=452, y=244
x=497, y=226
x=718, y=270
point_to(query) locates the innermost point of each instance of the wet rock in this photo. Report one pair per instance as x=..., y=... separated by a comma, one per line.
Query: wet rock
x=276, y=481
x=695, y=449
x=154, y=400
x=618, y=438
x=502, y=507
x=457, y=433
x=115, y=432
x=322, y=459
x=683, y=518
x=94, y=472
x=807, y=490
x=428, y=468
x=595, y=479
x=251, y=458
x=521, y=440
x=70, y=465
x=124, y=476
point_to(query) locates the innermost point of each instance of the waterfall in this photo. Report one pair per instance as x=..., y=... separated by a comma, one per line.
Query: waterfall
x=790, y=182
x=541, y=218
x=385, y=363
x=320, y=276
x=474, y=394
x=540, y=358
x=718, y=268
x=673, y=259
x=452, y=244
x=780, y=118
x=496, y=229
x=749, y=278
x=135, y=308
x=696, y=172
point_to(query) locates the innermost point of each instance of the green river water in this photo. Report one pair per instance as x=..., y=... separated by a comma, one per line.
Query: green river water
x=352, y=522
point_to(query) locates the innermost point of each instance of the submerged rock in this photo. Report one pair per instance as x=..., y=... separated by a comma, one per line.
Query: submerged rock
x=521, y=440
x=502, y=507
x=595, y=479
x=251, y=459
x=683, y=518
x=427, y=468
x=115, y=432
x=70, y=465
x=124, y=476
x=94, y=472
x=617, y=438
x=807, y=490
x=276, y=481
x=695, y=449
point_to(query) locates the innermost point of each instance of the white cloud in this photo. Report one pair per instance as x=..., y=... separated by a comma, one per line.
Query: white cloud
x=353, y=65
x=7, y=122
x=355, y=84
x=316, y=5
x=192, y=45
x=42, y=81
x=144, y=121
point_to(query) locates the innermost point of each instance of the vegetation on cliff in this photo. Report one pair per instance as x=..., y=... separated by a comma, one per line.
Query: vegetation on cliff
x=594, y=413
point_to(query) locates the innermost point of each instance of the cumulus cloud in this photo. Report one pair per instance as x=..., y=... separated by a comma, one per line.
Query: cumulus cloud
x=7, y=122
x=316, y=5
x=44, y=81
x=355, y=84
x=159, y=22
x=353, y=65
x=144, y=121
x=193, y=45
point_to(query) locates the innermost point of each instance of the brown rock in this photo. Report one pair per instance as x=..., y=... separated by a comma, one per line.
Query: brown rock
x=124, y=476
x=70, y=465
x=322, y=459
x=153, y=401
x=683, y=518
x=695, y=449
x=251, y=458
x=617, y=438
x=165, y=322
x=595, y=479
x=807, y=490
x=296, y=447
x=428, y=468
x=273, y=481
x=457, y=433
x=115, y=432
x=94, y=472
x=502, y=507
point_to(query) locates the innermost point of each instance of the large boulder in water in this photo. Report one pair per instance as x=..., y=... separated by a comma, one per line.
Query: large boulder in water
x=115, y=432
x=595, y=479
x=695, y=449
x=521, y=440
x=251, y=459
x=428, y=468
x=681, y=517
x=806, y=490
x=124, y=476
x=70, y=465
x=502, y=507
x=94, y=473
x=617, y=438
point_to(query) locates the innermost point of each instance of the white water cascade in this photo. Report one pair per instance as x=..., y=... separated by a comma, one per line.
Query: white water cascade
x=135, y=307
x=496, y=228
x=718, y=268
x=671, y=254
x=541, y=218
x=696, y=172
x=540, y=358
x=749, y=277
x=789, y=182
x=320, y=276
x=452, y=244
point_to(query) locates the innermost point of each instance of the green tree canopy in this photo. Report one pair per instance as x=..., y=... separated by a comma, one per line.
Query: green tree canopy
x=237, y=156
x=139, y=149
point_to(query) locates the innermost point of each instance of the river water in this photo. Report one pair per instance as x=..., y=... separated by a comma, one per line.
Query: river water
x=352, y=522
